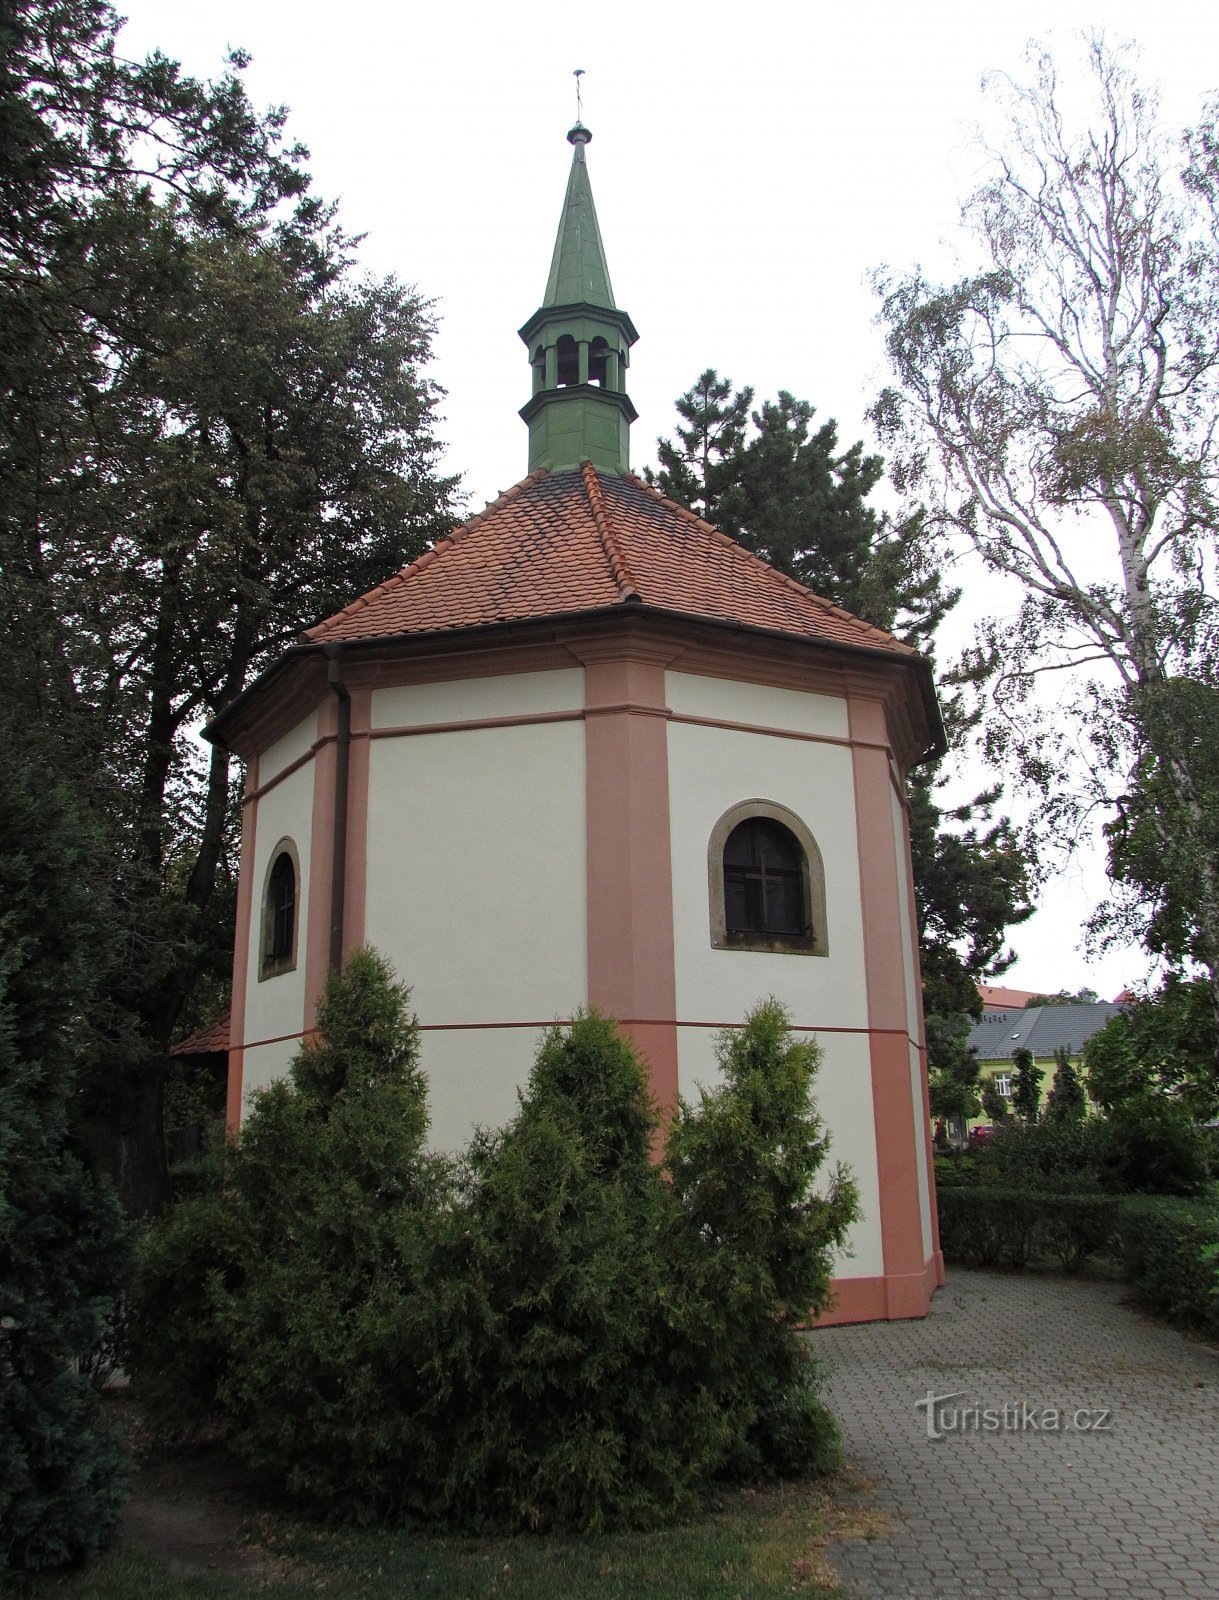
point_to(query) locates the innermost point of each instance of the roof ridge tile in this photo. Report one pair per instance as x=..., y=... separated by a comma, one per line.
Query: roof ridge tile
x=619, y=567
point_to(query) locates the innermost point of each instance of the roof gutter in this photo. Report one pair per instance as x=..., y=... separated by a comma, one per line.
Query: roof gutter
x=922, y=667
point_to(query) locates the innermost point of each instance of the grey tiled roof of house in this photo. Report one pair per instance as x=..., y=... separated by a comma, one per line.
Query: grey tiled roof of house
x=1040, y=1029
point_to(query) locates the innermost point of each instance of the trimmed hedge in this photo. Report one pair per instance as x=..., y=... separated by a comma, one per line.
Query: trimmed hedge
x=1160, y=1243
x=983, y=1225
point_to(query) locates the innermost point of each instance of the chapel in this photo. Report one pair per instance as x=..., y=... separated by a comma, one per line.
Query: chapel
x=589, y=751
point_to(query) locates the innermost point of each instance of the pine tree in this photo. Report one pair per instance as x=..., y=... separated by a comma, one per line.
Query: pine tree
x=1067, y=1101
x=786, y=489
x=1026, y=1086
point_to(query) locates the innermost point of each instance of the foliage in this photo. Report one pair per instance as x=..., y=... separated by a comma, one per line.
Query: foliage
x=562, y=1411
x=212, y=433
x=1051, y=1156
x=1150, y=1145
x=1054, y=410
x=786, y=490
x=995, y=1105
x=1062, y=997
x=63, y=1245
x=753, y=1241
x=1162, y=1244
x=1161, y=1042
x=953, y=1086
x=1000, y=1227
x=555, y=1336
x=1026, y=1085
x=303, y=1273
x=1156, y=1147
x=1067, y=1100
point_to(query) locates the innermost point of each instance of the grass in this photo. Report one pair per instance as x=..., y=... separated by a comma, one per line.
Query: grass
x=757, y=1545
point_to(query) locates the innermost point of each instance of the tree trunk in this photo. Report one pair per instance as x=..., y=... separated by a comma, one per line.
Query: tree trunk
x=141, y=1170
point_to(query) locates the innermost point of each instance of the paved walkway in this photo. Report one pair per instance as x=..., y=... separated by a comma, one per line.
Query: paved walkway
x=1119, y=1507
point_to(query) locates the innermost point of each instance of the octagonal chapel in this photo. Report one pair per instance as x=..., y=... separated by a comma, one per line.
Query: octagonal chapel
x=588, y=751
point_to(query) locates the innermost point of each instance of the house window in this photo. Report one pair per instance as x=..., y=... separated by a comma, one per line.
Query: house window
x=765, y=882
x=280, y=906
x=1003, y=1084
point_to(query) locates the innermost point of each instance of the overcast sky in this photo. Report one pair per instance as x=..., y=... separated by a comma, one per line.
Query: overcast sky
x=751, y=166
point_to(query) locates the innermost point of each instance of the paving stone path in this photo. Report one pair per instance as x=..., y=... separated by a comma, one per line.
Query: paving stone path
x=1094, y=1509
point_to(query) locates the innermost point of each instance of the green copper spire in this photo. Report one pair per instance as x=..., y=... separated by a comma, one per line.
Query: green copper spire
x=578, y=272
x=578, y=341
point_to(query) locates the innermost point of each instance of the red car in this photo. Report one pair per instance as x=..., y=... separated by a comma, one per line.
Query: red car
x=981, y=1135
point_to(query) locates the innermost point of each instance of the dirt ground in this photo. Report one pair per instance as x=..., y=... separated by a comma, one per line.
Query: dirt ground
x=190, y=1508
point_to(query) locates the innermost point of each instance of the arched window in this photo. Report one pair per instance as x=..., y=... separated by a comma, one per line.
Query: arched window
x=598, y=359
x=766, y=884
x=569, y=360
x=280, y=905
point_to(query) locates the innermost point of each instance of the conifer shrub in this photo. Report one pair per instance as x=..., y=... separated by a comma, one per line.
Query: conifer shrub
x=64, y=1246
x=752, y=1239
x=568, y=1413
x=1067, y=1100
x=296, y=1272
x=559, y=1333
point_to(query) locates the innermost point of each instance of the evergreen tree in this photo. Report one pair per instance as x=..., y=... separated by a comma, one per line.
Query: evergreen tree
x=1067, y=1101
x=994, y=1104
x=212, y=432
x=63, y=1244
x=1026, y=1086
x=755, y=1234
x=786, y=490
x=954, y=1089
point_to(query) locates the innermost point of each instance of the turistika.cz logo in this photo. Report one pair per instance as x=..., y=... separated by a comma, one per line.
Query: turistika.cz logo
x=1013, y=1416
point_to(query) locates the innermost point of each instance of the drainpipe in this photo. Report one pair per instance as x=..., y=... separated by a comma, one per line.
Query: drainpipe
x=338, y=875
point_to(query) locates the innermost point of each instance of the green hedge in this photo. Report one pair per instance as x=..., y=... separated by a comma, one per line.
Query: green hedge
x=1160, y=1243
x=990, y=1226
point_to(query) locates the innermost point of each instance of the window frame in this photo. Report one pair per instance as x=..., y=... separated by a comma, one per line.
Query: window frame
x=269, y=965
x=813, y=943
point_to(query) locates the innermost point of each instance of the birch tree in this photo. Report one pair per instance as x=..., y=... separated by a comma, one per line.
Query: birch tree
x=1056, y=410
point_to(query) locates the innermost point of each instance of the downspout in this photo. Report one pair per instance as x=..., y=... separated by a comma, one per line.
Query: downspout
x=342, y=748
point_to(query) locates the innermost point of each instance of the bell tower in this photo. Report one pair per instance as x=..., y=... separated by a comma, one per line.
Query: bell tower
x=578, y=342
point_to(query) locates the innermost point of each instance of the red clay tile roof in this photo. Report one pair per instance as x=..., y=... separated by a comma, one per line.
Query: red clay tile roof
x=205, y=1041
x=579, y=541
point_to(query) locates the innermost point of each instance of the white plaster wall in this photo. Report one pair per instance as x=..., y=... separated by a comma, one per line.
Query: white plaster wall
x=909, y=955
x=276, y=1006
x=920, y=1148
x=477, y=894
x=711, y=769
x=758, y=704
x=263, y=1065
x=843, y=1092
x=518, y=694
x=290, y=748
x=474, y=1075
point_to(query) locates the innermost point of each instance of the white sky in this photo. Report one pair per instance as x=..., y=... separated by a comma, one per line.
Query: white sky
x=751, y=165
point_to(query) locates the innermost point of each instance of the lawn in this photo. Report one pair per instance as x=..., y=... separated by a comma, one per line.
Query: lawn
x=752, y=1546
